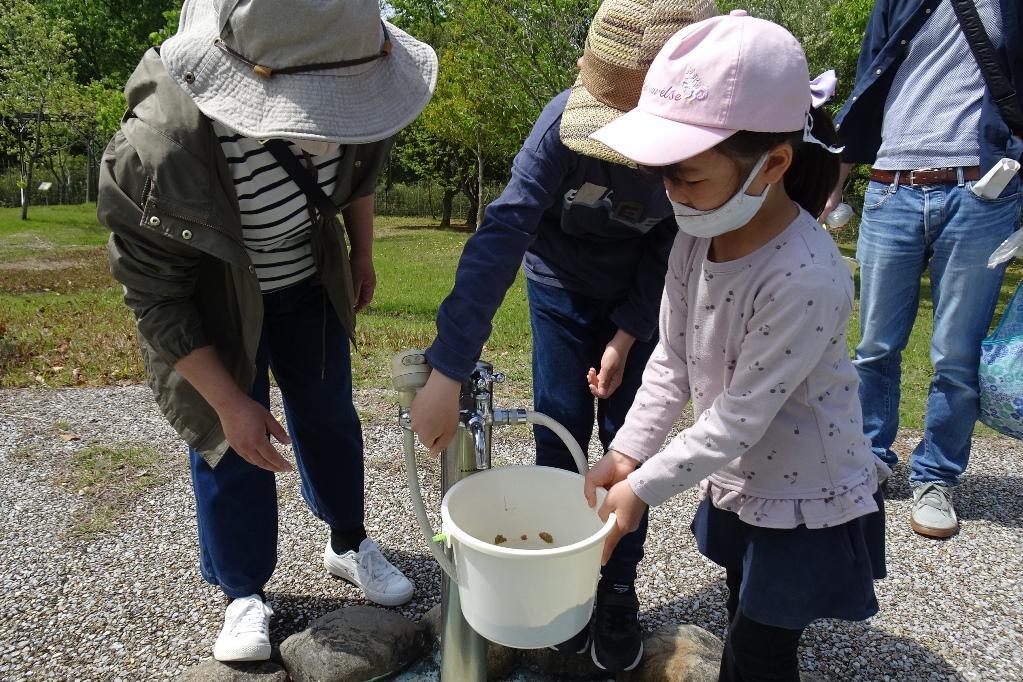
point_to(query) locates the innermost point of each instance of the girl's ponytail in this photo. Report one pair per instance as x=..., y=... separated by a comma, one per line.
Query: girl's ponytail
x=814, y=170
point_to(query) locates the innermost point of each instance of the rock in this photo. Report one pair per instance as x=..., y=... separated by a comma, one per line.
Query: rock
x=678, y=653
x=355, y=643
x=501, y=660
x=213, y=670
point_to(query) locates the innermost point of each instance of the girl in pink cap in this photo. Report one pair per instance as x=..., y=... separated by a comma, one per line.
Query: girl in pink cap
x=752, y=330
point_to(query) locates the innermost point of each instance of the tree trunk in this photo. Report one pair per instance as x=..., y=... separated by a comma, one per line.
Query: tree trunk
x=446, y=204
x=480, y=206
x=88, y=170
x=472, y=210
x=32, y=161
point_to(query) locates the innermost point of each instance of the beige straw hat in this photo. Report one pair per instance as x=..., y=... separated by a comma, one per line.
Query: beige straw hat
x=303, y=69
x=623, y=40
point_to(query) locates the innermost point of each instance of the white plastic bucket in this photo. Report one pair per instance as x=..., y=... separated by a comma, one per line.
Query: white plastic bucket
x=533, y=592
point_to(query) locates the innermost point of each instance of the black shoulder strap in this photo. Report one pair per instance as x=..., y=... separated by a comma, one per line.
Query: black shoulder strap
x=303, y=177
x=994, y=74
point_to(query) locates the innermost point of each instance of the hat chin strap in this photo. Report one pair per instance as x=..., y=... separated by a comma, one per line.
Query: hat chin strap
x=808, y=136
x=269, y=72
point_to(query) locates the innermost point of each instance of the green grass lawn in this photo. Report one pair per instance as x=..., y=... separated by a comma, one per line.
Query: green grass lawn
x=62, y=322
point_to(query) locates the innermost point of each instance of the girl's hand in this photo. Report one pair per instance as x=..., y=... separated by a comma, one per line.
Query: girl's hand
x=628, y=509
x=611, y=469
x=435, y=412
x=246, y=426
x=612, y=365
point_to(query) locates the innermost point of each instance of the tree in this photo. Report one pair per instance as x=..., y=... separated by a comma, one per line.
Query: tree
x=111, y=35
x=37, y=79
x=500, y=64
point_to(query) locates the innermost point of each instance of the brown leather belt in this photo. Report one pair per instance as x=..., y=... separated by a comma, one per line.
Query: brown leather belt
x=926, y=176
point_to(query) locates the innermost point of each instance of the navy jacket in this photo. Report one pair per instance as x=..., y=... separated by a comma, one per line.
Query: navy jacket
x=588, y=226
x=893, y=24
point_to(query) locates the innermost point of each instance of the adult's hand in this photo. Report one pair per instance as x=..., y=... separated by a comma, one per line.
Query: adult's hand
x=628, y=509
x=247, y=425
x=364, y=279
x=435, y=412
x=612, y=365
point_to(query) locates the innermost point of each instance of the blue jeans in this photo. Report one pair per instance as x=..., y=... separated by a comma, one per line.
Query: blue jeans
x=952, y=232
x=305, y=346
x=570, y=332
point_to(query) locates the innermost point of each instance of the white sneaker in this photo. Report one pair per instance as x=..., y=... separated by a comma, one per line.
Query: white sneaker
x=369, y=570
x=246, y=632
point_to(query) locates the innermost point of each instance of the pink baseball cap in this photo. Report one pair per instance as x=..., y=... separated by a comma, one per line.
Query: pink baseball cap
x=709, y=81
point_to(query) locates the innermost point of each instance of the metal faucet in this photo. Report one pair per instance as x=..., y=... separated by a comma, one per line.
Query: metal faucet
x=477, y=410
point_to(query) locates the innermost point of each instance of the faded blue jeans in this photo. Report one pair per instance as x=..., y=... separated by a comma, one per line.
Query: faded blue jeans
x=570, y=331
x=951, y=232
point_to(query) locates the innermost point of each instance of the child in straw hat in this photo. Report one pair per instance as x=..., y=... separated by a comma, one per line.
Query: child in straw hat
x=593, y=234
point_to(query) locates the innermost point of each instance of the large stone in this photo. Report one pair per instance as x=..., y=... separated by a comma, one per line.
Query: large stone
x=213, y=670
x=355, y=643
x=678, y=653
x=501, y=660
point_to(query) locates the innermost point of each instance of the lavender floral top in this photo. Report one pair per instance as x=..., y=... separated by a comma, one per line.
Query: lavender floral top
x=759, y=345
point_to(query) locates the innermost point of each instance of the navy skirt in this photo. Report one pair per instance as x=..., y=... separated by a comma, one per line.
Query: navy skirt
x=793, y=576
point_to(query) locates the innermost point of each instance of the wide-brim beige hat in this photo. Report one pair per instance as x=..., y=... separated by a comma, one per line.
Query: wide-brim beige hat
x=301, y=69
x=623, y=40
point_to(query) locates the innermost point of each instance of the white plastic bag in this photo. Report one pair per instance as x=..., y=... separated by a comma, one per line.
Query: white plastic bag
x=1011, y=247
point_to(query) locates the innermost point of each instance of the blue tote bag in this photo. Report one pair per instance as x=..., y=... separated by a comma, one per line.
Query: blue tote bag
x=1001, y=372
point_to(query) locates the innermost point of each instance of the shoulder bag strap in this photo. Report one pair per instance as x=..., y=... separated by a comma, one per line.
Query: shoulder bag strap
x=998, y=83
x=302, y=176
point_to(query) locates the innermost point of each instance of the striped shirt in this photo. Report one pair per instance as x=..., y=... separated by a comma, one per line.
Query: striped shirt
x=274, y=210
x=932, y=114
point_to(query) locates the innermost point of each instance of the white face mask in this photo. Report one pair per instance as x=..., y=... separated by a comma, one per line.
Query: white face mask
x=731, y=215
x=316, y=147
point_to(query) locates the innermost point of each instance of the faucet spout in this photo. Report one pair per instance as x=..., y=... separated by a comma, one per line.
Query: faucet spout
x=478, y=428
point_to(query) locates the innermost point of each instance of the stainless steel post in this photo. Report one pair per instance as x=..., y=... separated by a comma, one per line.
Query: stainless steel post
x=463, y=652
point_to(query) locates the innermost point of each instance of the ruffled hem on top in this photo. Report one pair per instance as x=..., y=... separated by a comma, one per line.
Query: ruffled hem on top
x=837, y=508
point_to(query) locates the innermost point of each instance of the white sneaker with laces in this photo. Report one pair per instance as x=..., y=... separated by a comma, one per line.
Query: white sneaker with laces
x=369, y=570
x=246, y=632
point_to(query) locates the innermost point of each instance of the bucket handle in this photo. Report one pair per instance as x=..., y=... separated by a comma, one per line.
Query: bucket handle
x=436, y=541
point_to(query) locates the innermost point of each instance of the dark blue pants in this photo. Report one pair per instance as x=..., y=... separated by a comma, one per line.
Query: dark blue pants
x=305, y=346
x=570, y=332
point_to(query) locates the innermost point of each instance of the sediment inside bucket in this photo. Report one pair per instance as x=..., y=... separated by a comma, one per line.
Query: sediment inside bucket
x=539, y=540
x=531, y=508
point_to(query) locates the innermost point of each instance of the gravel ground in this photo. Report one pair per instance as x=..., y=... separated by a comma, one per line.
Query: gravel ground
x=129, y=604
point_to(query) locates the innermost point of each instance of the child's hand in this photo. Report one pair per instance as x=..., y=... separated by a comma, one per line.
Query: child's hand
x=628, y=509
x=612, y=468
x=435, y=412
x=612, y=365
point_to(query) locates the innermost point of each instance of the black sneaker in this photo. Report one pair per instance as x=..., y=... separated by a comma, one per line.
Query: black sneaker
x=617, y=640
x=577, y=643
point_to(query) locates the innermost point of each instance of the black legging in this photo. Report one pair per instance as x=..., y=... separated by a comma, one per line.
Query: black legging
x=755, y=652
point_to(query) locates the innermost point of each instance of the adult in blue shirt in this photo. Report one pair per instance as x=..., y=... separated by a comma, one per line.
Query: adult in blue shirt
x=593, y=235
x=922, y=115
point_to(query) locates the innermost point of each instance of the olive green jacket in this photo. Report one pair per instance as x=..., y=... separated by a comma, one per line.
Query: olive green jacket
x=168, y=198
